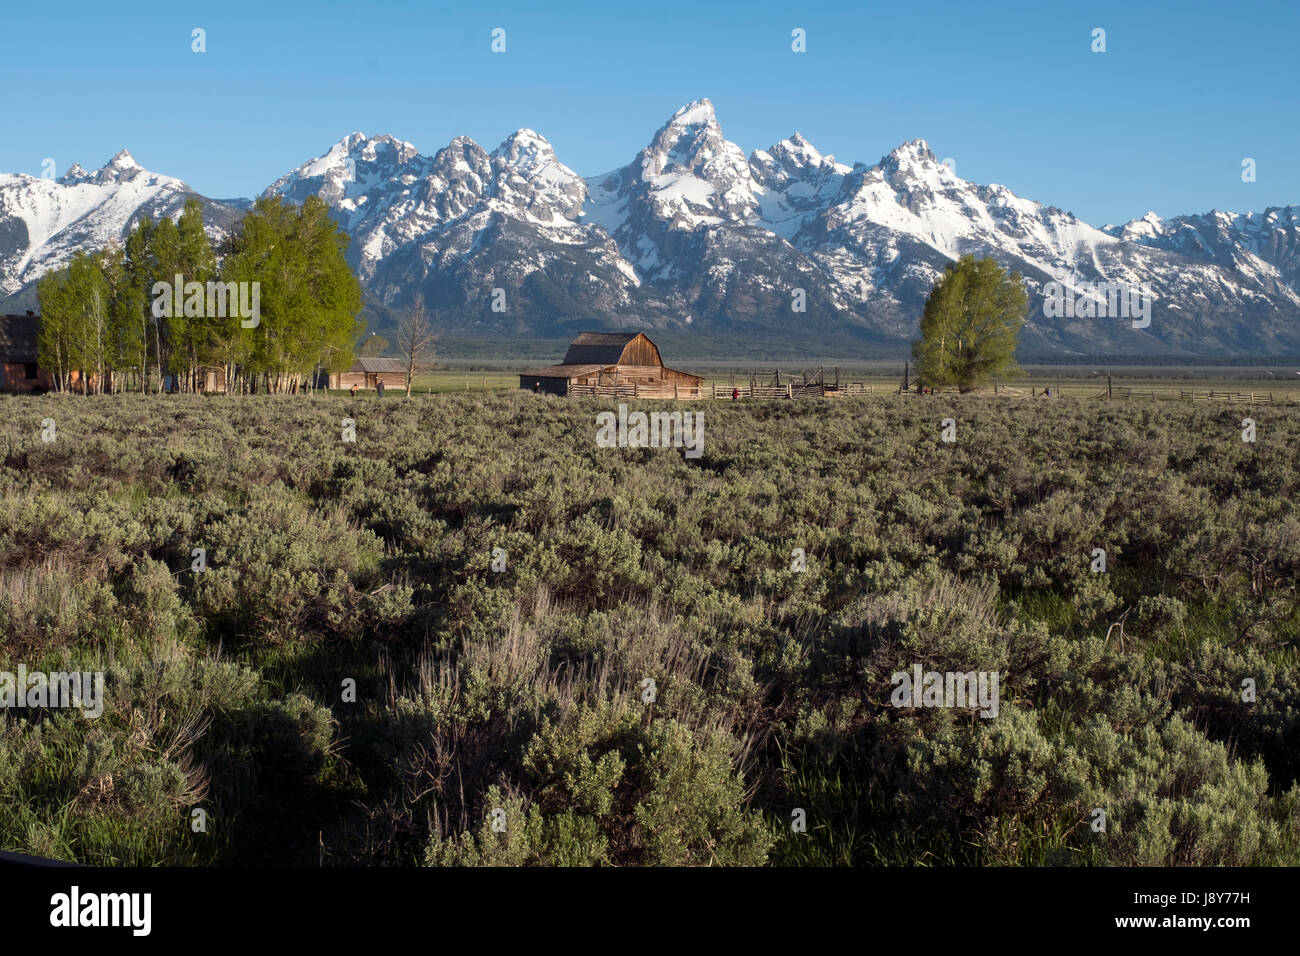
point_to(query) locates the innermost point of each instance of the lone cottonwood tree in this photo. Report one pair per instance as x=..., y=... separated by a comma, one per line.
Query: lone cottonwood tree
x=970, y=325
x=416, y=338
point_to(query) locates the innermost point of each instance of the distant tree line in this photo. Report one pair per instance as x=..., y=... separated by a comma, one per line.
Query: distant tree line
x=271, y=303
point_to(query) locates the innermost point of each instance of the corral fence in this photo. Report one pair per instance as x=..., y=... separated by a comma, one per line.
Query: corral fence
x=633, y=390
x=821, y=382
x=791, y=390
x=1250, y=398
x=1129, y=393
x=826, y=383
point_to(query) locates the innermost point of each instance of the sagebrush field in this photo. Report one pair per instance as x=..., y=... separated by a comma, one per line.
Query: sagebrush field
x=527, y=690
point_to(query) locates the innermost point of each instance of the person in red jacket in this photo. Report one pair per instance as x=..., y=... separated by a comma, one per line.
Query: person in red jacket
x=735, y=394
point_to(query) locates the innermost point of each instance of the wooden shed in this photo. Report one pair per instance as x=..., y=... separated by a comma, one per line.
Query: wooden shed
x=367, y=373
x=19, y=371
x=613, y=363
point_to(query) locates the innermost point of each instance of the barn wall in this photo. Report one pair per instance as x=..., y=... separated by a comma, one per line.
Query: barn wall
x=683, y=378
x=647, y=375
x=640, y=351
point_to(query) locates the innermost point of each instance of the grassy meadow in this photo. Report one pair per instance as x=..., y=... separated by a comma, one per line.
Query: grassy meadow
x=471, y=636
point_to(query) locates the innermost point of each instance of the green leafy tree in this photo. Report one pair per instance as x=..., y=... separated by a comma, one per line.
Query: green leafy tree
x=137, y=298
x=310, y=301
x=166, y=260
x=124, y=302
x=193, y=337
x=970, y=325
x=53, y=342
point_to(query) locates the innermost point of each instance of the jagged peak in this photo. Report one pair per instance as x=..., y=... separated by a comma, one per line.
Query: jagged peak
x=460, y=142
x=692, y=139
x=122, y=159
x=696, y=113
x=797, y=148
x=121, y=168
x=913, y=149
x=525, y=142
x=358, y=143
x=526, y=135
x=75, y=173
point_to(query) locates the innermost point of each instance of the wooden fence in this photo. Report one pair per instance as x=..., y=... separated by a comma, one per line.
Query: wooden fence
x=634, y=390
x=1127, y=393
x=819, y=390
x=792, y=390
x=1250, y=398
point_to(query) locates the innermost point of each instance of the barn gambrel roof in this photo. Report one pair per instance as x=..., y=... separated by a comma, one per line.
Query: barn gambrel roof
x=598, y=348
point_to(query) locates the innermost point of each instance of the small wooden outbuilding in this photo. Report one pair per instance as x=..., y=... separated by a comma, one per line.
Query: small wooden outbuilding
x=612, y=363
x=19, y=371
x=367, y=373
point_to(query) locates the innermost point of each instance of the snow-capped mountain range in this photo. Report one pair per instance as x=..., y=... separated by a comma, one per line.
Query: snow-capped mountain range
x=694, y=235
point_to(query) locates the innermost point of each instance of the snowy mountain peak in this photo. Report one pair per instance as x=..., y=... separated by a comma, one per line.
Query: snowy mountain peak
x=912, y=152
x=75, y=174
x=691, y=174
x=530, y=177
x=525, y=148
x=1148, y=227
x=799, y=149
x=122, y=159
x=121, y=168
x=794, y=153
x=698, y=113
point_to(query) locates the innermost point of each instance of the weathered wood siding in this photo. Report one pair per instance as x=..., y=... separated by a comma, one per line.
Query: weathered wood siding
x=640, y=352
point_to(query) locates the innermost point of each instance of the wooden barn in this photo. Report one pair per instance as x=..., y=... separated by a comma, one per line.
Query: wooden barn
x=613, y=363
x=19, y=371
x=367, y=373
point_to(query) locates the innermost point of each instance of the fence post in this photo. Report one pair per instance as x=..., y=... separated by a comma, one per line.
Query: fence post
x=1108, y=395
x=636, y=390
x=674, y=390
x=788, y=390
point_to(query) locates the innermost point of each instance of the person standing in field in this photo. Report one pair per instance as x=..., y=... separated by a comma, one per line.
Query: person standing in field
x=537, y=388
x=735, y=393
x=354, y=389
x=379, y=387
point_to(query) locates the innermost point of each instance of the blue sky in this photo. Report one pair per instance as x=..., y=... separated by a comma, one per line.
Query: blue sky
x=1010, y=91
